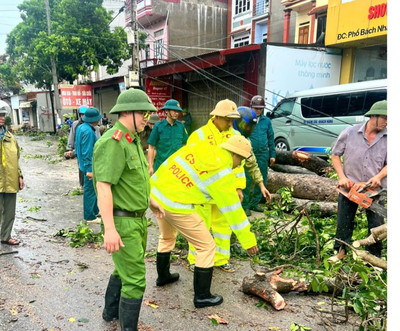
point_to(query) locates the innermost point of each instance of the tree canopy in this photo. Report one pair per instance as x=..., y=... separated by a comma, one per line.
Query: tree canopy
x=80, y=41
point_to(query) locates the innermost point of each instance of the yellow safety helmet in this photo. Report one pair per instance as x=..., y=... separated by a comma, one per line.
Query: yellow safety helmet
x=226, y=108
x=238, y=145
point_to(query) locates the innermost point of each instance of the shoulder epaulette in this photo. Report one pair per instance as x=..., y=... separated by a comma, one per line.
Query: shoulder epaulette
x=117, y=135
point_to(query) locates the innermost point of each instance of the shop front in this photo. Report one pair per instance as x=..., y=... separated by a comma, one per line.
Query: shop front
x=359, y=27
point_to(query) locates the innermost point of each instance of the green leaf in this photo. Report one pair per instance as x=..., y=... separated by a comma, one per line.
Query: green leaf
x=214, y=321
x=364, y=276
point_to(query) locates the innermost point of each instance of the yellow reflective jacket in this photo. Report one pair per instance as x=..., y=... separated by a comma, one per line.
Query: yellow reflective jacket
x=9, y=167
x=196, y=175
x=213, y=136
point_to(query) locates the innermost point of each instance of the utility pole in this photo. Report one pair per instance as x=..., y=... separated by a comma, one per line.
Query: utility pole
x=133, y=40
x=53, y=71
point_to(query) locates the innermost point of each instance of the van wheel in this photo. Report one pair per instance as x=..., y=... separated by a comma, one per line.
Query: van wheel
x=281, y=144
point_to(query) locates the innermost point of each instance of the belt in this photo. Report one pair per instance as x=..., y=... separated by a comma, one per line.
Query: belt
x=123, y=213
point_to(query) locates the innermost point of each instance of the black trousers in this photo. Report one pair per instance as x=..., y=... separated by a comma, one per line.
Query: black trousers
x=345, y=224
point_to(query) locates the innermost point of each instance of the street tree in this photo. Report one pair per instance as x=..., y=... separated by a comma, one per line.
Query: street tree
x=80, y=41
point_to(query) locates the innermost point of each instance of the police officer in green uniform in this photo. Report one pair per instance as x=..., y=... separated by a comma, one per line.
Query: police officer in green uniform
x=121, y=179
x=167, y=136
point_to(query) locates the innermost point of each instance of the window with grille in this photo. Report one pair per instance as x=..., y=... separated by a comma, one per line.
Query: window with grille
x=241, y=41
x=158, y=49
x=242, y=6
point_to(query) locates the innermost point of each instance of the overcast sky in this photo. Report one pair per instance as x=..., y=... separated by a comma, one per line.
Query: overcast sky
x=9, y=18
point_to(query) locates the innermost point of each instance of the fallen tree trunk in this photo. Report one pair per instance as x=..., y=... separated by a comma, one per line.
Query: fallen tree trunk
x=311, y=187
x=290, y=169
x=305, y=160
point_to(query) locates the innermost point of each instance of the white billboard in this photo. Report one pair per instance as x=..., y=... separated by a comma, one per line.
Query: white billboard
x=291, y=69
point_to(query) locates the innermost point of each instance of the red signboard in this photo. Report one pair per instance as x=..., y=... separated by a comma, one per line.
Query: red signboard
x=74, y=96
x=159, y=92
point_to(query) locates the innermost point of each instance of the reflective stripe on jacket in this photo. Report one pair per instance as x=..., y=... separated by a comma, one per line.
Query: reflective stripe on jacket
x=9, y=167
x=213, y=136
x=210, y=133
x=195, y=175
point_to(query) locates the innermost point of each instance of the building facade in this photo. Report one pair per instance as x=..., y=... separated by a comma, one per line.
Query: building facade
x=256, y=22
x=179, y=29
x=362, y=37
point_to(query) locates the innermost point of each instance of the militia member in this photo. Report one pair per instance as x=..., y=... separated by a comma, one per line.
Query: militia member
x=262, y=141
x=167, y=136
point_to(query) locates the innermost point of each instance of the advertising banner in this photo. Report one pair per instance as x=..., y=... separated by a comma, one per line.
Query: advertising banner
x=352, y=21
x=74, y=96
x=291, y=69
x=159, y=92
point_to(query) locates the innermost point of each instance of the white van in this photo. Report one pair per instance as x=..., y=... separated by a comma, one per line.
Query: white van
x=311, y=120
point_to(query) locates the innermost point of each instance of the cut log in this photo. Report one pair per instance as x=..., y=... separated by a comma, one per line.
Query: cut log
x=305, y=160
x=377, y=234
x=311, y=187
x=268, y=287
x=261, y=286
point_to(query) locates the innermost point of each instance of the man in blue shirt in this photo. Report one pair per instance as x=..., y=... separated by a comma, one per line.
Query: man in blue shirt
x=167, y=136
x=262, y=142
x=84, y=144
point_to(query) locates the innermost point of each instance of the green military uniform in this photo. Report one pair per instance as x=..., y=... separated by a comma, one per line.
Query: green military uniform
x=167, y=139
x=119, y=161
x=130, y=189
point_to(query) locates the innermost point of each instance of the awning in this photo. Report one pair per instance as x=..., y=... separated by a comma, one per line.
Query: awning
x=25, y=104
x=318, y=10
x=217, y=58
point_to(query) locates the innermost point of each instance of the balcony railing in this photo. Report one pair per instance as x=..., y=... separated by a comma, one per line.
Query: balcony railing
x=261, y=8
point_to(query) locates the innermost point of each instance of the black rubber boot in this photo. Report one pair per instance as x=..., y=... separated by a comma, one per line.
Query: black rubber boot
x=129, y=310
x=163, y=264
x=113, y=293
x=202, y=283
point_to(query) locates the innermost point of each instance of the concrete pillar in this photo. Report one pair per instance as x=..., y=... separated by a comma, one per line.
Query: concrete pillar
x=312, y=38
x=286, y=26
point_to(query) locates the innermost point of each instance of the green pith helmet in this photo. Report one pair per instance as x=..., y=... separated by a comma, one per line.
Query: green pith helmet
x=184, y=110
x=91, y=115
x=172, y=104
x=133, y=100
x=378, y=108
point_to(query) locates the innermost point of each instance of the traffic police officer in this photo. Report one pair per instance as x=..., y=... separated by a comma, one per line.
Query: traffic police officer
x=120, y=175
x=195, y=175
x=167, y=136
x=216, y=131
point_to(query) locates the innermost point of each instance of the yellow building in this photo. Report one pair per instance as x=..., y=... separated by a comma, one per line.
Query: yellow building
x=359, y=27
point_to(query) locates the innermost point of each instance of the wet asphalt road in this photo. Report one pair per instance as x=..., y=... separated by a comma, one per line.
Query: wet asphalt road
x=47, y=285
